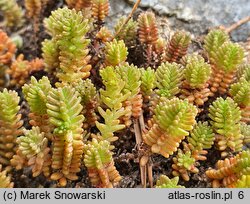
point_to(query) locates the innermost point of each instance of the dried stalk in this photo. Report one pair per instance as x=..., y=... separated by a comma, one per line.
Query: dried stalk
x=236, y=25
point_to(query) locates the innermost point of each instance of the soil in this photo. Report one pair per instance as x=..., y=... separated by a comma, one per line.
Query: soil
x=124, y=153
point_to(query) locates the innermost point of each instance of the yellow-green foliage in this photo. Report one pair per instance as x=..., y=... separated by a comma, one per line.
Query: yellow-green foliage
x=225, y=116
x=86, y=89
x=148, y=81
x=111, y=123
x=13, y=14
x=89, y=101
x=9, y=108
x=10, y=124
x=5, y=180
x=240, y=92
x=98, y=159
x=243, y=182
x=243, y=163
x=245, y=131
x=228, y=57
x=97, y=154
x=214, y=40
x=64, y=108
x=32, y=142
x=168, y=79
x=112, y=97
x=36, y=94
x=127, y=32
x=68, y=28
x=50, y=55
x=165, y=182
x=197, y=71
x=131, y=75
x=33, y=151
x=176, y=117
x=202, y=136
x=171, y=122
x=116, y=52
x=243, y=72
x=184, y=159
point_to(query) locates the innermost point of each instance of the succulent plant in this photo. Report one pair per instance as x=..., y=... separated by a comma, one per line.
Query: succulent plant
x=147, y=29
x=5, y=180
x=64, y=108
x=67, y=28
x=113, y=98
x=229, y=172
x=131, y=75
x=10, y=124
x=89, y=101
x=196, y=75
x=226, y=60
x=105, y=35
x=7, y=48
x=225, y=118
x=13, y=14
x=243, y=182
x=36, y=95
x=127, y=32
x=148, y=81
x=177, y=46
x=172, y=121
x=184, y=162
x=214, y=40
x=99, y=162
x=21, y=69
x=245, y=131
x=165, y=182
x=243, y=72
x=168, y=79
x=100, y=9
x=240, y=92
x=33, y=146
x=79, y=4
x=116, y=53
x=201, y=137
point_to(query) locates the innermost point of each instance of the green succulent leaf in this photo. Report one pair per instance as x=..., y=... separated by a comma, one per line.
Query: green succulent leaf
x=225, y=116
x=214, y=40
x=116, y=52
x=33, y=142
x=241, y=92
x=36, y=94
x=197, y=71
x=112, y=96
x=130, y=74
x=148, y=80
x=175, y=116
x=97, y=154
x=168, y=79
x=202, y=136
x=165, y=182
x=228, y=57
